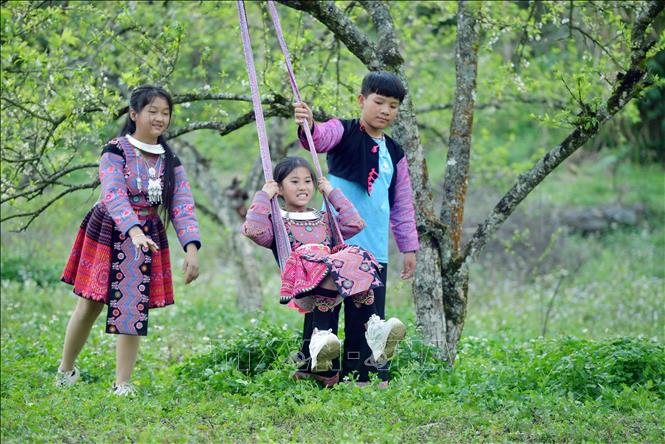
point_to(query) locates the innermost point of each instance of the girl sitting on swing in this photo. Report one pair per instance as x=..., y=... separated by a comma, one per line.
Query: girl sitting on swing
x=319, y=275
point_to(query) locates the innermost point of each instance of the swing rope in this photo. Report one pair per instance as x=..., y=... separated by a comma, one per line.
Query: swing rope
x=279, y=230
x=337, y=235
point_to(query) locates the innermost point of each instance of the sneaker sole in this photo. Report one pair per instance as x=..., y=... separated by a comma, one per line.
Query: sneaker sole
x=397, y=333
x=325, y=357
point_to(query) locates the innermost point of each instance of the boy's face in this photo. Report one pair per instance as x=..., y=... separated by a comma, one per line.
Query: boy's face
x=378, y=111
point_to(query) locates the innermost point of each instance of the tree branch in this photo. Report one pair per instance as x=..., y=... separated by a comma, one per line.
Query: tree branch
x=387, y=43
x=208, y=212
x=44, y=183
x=28, y=111
x=629, y=84
x=222, y=128
x=461, y=125
x=226, y=128
x=32, y=215
x=198, y=96
x=444, y=139
x=597, y=43
x=519, y=51
x=339, y=23
x=270, y=99
x=496, y=104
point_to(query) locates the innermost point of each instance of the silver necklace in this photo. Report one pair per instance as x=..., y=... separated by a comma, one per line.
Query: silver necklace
x=310, y=214
x=154, y=182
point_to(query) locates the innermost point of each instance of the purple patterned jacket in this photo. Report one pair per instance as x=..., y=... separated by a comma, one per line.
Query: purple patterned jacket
x=258, y=226
x=331, y=136
x=118, y=169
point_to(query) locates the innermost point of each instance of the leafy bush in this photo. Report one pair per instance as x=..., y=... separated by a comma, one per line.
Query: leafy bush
x=22, y=269
x=415, y=356
x=252, y=351
x=489, y=372
x=587, y=369
x=492, y=374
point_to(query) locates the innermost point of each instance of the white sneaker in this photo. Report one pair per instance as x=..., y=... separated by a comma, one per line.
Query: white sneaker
x=383, y=336
x=65, y=379
x=124, y=389
x=323, y=348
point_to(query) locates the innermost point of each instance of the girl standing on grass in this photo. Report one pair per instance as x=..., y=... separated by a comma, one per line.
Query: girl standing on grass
x=319, y=275
x=120, y=257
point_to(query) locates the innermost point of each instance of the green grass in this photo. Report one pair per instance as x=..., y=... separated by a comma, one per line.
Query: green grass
x=192, y=388
x=610, y=285
x=208, y=373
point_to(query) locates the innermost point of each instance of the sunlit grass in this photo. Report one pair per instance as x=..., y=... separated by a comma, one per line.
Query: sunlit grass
x=597, y=368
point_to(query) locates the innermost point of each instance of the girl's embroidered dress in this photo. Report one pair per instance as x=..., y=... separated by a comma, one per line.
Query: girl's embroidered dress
x=354, y=271
x=95, y=264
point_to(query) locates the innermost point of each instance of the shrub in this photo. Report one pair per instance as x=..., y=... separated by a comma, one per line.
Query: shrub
x=489, y=372
x=22, y=269
x=587, y=369
x=248, y=353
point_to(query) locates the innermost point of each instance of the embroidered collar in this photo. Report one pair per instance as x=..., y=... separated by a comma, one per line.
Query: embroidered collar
x=305, y=215
x=148, y=148
x=363, y=128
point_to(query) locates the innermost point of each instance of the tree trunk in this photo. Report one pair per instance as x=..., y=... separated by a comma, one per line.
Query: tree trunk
x=427, y=286
x=456, y=282
x=442, y=272
x=249, y=295
x=228, y=204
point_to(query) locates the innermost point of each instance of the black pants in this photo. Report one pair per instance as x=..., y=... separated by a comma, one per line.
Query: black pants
x=356, y=356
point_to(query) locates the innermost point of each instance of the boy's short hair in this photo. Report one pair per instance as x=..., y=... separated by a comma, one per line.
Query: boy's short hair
x=383, y=83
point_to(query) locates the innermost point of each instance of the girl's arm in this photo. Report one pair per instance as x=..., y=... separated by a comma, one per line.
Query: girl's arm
x=258, y=226
x=182, y=210
x=348, y=219
x=402, y=213
x=114, y=189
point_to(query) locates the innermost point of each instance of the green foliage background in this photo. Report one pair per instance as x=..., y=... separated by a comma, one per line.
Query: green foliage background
x=208, y=372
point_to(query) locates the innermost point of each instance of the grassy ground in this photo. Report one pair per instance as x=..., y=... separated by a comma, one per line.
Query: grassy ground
x=209, y=373
x=502, y=389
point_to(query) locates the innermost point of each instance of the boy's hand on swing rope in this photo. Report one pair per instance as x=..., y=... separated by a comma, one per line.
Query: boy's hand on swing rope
x=324, y=186
x=271, y=188
x=302, y=112
x=409, y=265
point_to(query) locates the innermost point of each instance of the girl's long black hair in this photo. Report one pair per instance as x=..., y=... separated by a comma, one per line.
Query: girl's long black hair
x=288, y=164
x=141, y=97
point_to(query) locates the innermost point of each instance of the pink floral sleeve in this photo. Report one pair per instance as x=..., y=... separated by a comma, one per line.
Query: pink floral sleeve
x=114, y=192
x=183, y=213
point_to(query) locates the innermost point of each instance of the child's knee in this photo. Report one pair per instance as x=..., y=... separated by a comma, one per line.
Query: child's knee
x=88, y=310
